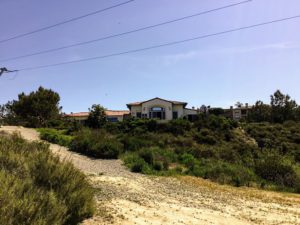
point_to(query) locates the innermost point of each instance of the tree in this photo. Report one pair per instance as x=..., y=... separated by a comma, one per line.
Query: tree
x=216, y=111
x=36, y=108
x=260, y=112
x=283, y=108
x=238, y=104
x=97, y=117
x=6, y=114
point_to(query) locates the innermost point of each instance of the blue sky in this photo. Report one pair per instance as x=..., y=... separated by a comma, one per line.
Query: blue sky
x=218, y=71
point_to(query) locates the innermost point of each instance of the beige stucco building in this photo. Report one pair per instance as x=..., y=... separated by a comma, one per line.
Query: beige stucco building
x=160, y=109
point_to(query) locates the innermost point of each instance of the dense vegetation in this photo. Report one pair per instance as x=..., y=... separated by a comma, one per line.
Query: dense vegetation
x=252, y=154
x=36, y=188
x=262, y=150
x=281, y=108
x=55, y=136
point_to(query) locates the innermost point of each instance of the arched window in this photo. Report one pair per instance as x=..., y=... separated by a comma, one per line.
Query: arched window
x=157, y=113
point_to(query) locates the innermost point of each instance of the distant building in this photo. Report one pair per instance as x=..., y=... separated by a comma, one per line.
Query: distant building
x=239, y=112
x=161, y=109
x=111, y=115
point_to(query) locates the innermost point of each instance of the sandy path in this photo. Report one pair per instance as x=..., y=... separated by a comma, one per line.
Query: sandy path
x=128, y=198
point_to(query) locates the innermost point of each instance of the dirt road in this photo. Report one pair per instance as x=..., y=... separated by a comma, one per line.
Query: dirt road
x=128, y=198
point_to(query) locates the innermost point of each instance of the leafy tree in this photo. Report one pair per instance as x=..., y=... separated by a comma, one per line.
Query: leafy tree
x=34, y=109
x=96, y=117
x=216, y=111
x=238, y=104
x=260, y=112
x=283, y=107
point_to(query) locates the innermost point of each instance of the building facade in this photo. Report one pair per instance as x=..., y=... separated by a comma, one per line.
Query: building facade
x=160, y=109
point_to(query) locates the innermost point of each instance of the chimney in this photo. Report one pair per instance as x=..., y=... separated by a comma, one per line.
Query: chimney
x=246, y=105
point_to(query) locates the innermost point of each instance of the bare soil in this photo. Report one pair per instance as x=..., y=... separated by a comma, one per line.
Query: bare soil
x=129, y=198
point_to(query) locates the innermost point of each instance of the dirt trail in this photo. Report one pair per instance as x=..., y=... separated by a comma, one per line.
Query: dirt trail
x=129, y=198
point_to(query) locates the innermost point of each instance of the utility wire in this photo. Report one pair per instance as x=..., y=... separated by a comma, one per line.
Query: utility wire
x=124, y=33
x=63, y=22
x=5, y=70
x=165, y=44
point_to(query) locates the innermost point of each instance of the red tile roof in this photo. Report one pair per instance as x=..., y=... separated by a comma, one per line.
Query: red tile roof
x=79, y=114
x=107, y=112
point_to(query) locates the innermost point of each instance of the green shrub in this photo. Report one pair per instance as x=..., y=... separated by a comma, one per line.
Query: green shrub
x=134, y=143
x=136, y=164
x=225, y=173
x=205, y=137
x=274, y=169
x=147, y=156
x=188, y=160
x=55, y=136
x=178, y=126
x=96, y=143
x=37, y=188
x=158, y=166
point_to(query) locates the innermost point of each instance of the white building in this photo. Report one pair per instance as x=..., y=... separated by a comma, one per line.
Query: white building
x=160, y=109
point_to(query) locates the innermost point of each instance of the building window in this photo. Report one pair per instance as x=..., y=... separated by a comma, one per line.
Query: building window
x=112, y=119
x=175, y=115
x=138, y=115
x=157, y=113
x=144, y=115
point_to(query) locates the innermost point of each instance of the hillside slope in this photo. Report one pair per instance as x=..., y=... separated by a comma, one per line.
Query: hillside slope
x=130, y=198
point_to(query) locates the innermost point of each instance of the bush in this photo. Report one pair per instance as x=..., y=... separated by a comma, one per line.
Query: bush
x=147, y=155
x=96, y=143
x=158, y=166
x=274, y=169
x=225, y=173
x=188, y=160
x=37, y=188
x=205, y=137
x=136, y=164
x=178, y=126
x=55, y=136
x=134, y=143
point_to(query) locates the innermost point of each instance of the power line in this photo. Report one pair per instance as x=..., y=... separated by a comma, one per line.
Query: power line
x=165, y=44
x=124, y=33
x=63, y=22
x=5, y=70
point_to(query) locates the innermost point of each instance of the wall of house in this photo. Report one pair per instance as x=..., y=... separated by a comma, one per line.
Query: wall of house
x=158, y=103
x=190, y=112
x=135, y=109
x=237, y=115
x=179, y=109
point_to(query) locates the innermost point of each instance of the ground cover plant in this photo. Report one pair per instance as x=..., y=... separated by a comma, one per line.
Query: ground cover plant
x=55, y=136
x=213, y=147
x=37, y=188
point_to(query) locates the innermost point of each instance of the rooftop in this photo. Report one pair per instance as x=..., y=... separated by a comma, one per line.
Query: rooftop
x=172, y=101
x=107, y=112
